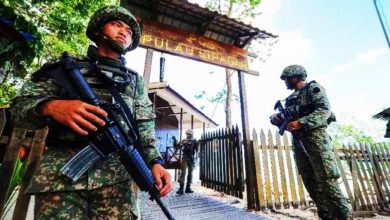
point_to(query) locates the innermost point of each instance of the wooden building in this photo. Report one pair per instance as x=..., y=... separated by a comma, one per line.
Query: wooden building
x=174, y=114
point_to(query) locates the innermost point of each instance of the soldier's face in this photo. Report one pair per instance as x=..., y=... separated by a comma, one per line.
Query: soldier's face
x=291, y=82
x=118, y=31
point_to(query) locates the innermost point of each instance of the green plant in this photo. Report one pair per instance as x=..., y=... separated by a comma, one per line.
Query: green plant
x=16, y=178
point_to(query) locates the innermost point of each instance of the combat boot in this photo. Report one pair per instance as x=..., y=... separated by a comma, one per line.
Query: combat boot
x=180, y=191
x=188, y=189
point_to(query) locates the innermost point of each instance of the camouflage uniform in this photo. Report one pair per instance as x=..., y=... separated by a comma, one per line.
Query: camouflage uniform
x=189, y=148
x=313, y=150
x=106, y=190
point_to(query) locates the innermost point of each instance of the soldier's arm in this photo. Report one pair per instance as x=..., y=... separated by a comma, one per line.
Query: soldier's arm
x=24, y=108
x=145, y=121
x=197, y=145
x=319, y=101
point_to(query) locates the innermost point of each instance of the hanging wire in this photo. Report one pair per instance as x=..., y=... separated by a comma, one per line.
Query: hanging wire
x=384, y=17
x=384, y=24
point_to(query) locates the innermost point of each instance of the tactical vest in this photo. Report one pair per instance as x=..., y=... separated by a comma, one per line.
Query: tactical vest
x=300, y=104
x=99, y=77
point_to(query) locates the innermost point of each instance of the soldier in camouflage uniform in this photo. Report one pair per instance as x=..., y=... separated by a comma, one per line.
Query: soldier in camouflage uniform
x=312, y=147
x=106, y=190
x=189, y=147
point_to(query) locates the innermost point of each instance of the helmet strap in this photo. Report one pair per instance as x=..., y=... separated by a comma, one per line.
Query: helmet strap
x=112, y=44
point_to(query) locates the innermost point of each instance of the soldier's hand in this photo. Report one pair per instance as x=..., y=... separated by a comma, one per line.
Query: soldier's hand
x=81, y=117
x=294, y=125
x=276, y=119
x=163, y=179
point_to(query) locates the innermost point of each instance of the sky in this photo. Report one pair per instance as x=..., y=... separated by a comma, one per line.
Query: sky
x=340, y=43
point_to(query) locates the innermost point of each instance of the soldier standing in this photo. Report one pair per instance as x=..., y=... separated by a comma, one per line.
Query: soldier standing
x=189, y=147
x=312, y=147
x=106, y=190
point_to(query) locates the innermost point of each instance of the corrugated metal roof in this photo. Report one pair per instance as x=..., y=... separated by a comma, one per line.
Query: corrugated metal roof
x=196, y=19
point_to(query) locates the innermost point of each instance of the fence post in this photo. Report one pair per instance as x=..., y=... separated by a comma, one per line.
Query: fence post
x=362, y=192
x=264, y=150
x=344, y=177
x=32, y=164
x=274, y=175
x=201, y=160
x=9, y=162
x=381, y=168
x=383, y=202
x=282, y=162
x=290, y=166
x=258, y=173
x=239, y=161
x=365, y=178
x=229, y=162
x=371, y=174
x=248, y=151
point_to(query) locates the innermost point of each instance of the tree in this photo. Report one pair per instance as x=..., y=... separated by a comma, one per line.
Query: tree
x=349, y=134
x=57, y=26
x=240, y=10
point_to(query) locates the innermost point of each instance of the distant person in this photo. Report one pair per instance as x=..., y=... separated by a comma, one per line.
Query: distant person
x=310, y=109
x=189, y=146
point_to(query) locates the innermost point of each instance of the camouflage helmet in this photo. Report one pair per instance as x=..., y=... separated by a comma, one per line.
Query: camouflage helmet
x=189, y=131
x=109, y=13
x=294, y=70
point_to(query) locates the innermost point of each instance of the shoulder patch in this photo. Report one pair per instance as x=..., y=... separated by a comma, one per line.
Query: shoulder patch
x=316, y=90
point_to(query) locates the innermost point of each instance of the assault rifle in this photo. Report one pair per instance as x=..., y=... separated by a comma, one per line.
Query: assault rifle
x=284, y=114
x=287, y=117
x=111, y=138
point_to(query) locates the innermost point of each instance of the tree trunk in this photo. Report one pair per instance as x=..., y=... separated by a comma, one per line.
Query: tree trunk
x=228, y=108
x=229, y=95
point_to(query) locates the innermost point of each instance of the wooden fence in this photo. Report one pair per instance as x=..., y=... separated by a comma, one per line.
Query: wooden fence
x=221, y=161
x=33, y=144
x=278, y=182
x=369, y=166
x=365, y=175
x=365, y=171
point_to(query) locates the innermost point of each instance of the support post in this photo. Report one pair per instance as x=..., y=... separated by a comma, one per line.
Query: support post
x=181, y=124
x=148, y=66
x=192, y=121
x=248, y=151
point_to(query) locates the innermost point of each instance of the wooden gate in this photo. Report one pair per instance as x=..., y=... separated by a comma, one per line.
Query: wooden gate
x=221, y=161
